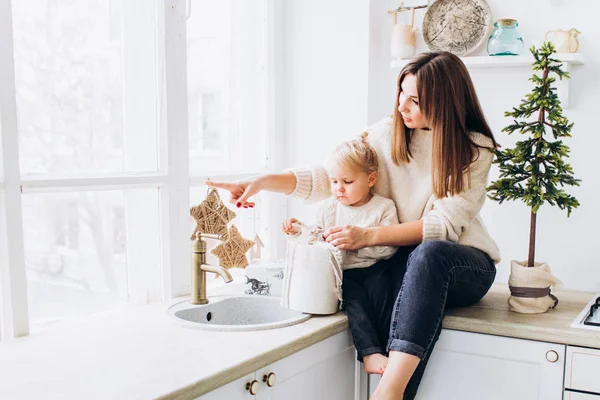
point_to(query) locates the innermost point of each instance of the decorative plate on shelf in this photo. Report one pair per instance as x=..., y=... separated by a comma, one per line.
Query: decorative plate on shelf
x=457, y=26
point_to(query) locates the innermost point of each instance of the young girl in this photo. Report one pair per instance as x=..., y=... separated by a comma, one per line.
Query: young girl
x=434, y=155
x=353, y=173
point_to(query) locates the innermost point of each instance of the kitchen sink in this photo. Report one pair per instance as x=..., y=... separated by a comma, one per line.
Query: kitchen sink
x=236, y=313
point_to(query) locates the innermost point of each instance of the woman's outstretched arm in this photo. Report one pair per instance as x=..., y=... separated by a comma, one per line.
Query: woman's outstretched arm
x=242, y=190
x=310, y=184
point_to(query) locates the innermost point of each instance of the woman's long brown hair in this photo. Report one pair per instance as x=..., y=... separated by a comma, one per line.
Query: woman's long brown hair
x=451, y=110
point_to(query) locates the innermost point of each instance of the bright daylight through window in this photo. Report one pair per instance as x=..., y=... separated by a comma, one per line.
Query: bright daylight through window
x=99, y=153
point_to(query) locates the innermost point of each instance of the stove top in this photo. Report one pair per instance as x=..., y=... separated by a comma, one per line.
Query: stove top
x=589, y=317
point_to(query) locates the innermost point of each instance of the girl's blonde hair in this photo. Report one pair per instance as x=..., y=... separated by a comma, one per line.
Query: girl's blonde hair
x=357, y=155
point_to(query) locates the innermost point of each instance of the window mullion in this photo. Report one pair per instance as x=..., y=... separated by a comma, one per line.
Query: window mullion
x=140, y=127
x=118, y=181
x=175, y=198
x=248, y=33
x=4, y=277
x=275, y=108
x=14, y=320
x=235, y=120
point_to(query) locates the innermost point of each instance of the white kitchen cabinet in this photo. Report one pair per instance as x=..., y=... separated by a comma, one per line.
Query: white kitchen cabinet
x=323, y=371
x=583, y=370
x=235, y=390
x=474, y=366
x=580, y=396
x=471, y=366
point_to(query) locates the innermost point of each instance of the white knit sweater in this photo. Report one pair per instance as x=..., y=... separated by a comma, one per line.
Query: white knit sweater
x=454, y=218
x=379, y=211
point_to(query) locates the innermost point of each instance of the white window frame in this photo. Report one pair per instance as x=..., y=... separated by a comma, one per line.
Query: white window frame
x=173, y=181
x=14, y=319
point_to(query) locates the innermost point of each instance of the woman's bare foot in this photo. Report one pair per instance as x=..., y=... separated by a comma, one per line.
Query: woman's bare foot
x=397, y=374
x=384, y=394
x=387, y=388
x=375, y=363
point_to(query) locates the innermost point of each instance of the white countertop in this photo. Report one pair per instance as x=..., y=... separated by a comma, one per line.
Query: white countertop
x=492, y=316
x=140, y=353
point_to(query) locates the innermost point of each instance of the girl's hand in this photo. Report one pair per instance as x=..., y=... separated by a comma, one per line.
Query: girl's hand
x=348, y=237
x=288, y=227
x=240, y=191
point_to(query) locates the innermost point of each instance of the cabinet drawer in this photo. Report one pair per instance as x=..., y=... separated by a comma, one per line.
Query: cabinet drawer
x=581, y=372
x=580, y=396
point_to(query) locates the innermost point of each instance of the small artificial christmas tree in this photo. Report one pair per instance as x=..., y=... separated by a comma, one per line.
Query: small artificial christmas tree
x=534, y=170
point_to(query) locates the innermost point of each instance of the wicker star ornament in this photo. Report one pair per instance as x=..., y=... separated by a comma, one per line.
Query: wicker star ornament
x=232, y=253
x=211, y=216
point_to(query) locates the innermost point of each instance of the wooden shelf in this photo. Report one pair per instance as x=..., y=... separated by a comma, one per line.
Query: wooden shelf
x=505, y=61
x=476, y=62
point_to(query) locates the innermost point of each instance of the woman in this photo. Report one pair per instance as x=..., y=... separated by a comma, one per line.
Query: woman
x=434, y=156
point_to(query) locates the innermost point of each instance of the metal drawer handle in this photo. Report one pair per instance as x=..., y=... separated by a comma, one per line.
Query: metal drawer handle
x=552, y=356
x=252, y=387
x=270, y=379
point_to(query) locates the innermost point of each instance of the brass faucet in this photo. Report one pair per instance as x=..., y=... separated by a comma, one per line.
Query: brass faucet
x=200, y=268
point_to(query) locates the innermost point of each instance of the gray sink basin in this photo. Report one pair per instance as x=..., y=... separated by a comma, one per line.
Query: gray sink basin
x=236, y=313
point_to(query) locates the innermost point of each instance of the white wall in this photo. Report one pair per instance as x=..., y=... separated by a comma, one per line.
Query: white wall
x=567, y=244
x=326, y=62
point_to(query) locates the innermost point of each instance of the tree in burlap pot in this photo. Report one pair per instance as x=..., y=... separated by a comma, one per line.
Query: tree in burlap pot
x=535, y=172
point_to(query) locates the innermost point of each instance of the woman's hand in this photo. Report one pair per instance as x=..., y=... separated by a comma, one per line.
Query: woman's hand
x=240, y=191
x=348, y=237
x=289, y=228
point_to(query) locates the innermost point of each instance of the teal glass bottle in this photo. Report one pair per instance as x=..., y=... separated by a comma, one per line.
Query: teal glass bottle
x=505, y=39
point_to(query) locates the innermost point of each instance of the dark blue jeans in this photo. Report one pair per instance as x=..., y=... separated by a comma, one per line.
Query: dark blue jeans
x=398, y=304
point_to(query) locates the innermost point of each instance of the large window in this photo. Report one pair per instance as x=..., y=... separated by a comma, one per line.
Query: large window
x=226, y=85
x=70, y=71
x=94, y=211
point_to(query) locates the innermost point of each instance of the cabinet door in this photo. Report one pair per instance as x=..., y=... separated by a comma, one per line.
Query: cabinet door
x=235, y=390
x=324, y=371
x=474, y=366
x=582, y=369
x=580, y=396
